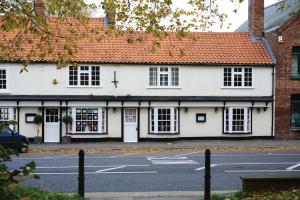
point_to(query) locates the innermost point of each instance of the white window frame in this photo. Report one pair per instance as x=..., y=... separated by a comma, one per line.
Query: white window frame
x=89, y=72
x=12, y=115
x=242, y=73
x=247, y=120
x=7, y=80
x=158, y=75
x=173, y=122
x=101, y=121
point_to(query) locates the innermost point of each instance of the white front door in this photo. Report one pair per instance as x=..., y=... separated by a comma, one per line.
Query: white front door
x=130, y=125
x=51, y=125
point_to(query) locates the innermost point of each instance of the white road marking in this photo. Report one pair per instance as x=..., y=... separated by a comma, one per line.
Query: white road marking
x=201, y=168
x=228, y=164
x=108, y=169
x=293, y=166
x=86, y=173
x=91, y=166
x=102, y=171
x=128, y=154
x=251, y=171
x=167, y=158
x=173, y=162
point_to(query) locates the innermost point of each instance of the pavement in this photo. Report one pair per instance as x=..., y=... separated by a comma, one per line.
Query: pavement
x=175, y=144
x=166, y=195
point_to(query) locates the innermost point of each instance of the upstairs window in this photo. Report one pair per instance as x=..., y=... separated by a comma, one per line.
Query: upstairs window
x=296, y=62
x=3, y=79
x=84, y=76
x=237, y=77
x=164, y=76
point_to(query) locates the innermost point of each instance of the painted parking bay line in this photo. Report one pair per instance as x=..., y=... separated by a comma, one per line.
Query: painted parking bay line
x=171, y=161
x=293, y=166
x=107, y=170
x=263, y=170
x=229, y=164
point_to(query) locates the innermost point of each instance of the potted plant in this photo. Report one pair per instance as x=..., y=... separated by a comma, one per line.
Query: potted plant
x=67, y=120
x=38, y=119
x=13, y=123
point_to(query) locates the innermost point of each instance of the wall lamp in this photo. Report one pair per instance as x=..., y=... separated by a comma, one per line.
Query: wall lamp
x=40, y=109
x=186, y=110
x=114, y=109
x=216, y=110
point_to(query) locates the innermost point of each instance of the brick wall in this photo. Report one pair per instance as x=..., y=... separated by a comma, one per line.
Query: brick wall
x=285, y=86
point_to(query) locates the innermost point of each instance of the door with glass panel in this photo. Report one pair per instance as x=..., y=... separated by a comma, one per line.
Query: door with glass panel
x=130, y=125
x=51, y=125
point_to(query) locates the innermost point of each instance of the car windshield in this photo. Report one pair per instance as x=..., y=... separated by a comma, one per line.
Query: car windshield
x=6, y=131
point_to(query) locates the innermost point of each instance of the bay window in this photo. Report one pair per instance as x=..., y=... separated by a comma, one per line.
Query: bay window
x=237, y=120
x=90, y=120
x=163, y=120
x=164, y=76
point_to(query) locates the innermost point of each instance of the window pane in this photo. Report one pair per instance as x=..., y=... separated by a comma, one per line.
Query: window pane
x=95, y=75
x=4, y=114
x=152, y=76
x=248, y=77
x=175, y=76
x=238, y=120
x=87, y=120
x=296, y=61
x=84, y=78
x=3, y=79
x=73, y=75
x=227, y=76
x=295, y=123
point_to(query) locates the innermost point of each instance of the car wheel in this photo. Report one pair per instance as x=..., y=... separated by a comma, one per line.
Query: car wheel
x=23, y=147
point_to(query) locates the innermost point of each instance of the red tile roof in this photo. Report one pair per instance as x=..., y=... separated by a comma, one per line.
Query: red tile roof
x=203, y=48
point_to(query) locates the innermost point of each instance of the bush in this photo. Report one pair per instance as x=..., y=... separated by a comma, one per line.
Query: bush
x=9, y=179
x=33, y=193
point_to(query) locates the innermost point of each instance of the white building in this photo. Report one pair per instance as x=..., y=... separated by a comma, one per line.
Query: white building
x=222, y=87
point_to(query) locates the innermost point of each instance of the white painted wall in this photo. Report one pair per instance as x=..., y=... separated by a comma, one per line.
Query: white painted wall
x=133, y=80
x=28, y=129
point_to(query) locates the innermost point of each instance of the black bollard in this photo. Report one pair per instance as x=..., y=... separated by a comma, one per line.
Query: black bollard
x=207, y=175
x=81, y=174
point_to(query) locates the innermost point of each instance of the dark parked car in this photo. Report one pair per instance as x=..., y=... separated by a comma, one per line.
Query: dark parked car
x=11, y=139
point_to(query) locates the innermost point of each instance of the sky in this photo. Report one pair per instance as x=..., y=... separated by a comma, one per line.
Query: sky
x=236, y=19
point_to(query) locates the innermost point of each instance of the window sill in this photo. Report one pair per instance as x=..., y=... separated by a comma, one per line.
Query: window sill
x=163, y=134
x=87, y=134
x=224, y=87
x=295, y=129
x=238, y=133
x=81, y=86
x=4, y=92
x=295, y=77
x=153, y=87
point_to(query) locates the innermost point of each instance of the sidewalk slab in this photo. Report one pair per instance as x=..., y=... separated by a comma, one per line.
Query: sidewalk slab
x=165, y=195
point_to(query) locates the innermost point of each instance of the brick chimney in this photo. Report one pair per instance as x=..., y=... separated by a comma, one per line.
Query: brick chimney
x=40, y=9
x=256, y=17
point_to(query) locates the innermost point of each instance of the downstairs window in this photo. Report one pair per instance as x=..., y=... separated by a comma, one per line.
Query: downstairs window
x=237, y=120
x=164, y=120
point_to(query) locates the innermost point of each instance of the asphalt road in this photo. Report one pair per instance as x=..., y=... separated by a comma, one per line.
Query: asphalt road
x=156, y=171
